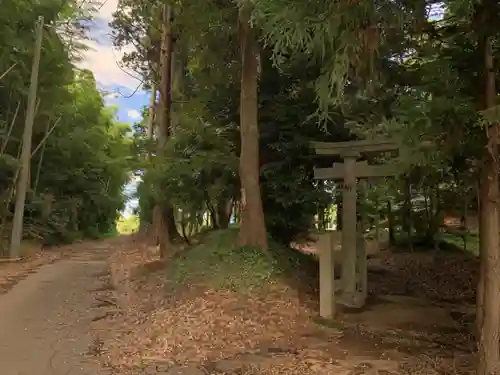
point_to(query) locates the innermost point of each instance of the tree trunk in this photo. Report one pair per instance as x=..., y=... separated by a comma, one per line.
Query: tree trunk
x=236, y=211
x=150, y=121
x=160, y=214
x=184, y=223
x=376, y=221
x=143, y=225
x=172, y=224
x=196, y=225
x=252, y=228
x=390, y=223
x=408, y=218
x=321, y=224
x=159, y=227
x=223, y=213
x=482, y=255
x=435, y=219
x=49, y=201
x=338, y=202
x=463, y=220
x=213, y=217
x=489, y=348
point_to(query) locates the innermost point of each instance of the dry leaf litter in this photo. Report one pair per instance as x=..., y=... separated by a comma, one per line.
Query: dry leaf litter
x=225, y=332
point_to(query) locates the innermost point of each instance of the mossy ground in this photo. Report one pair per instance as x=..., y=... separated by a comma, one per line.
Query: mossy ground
x=219, y=263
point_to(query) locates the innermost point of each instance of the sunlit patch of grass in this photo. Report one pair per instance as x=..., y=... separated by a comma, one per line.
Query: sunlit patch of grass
x=218, y=262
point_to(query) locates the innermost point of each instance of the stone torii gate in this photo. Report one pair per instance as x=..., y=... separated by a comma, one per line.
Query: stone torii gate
x=354, y=267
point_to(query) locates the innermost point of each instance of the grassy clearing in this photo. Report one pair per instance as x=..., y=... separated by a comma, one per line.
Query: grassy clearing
x=127, y=225
x=453, y=240
x=219, y=263
x=448, y=242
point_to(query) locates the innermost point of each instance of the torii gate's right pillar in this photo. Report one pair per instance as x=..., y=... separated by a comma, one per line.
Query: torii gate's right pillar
x=349, y=229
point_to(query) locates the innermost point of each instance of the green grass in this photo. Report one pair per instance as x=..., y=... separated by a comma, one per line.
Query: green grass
x=127, y=225
x=448, y=242
x=219, y=263
x=453, y=240
x=329, y=323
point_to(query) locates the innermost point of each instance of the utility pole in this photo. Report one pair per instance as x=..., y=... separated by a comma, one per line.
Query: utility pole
x=22, y=186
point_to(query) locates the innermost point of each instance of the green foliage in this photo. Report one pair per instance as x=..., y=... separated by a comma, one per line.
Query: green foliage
x=291, y=196
x=199, y=166
x=80, y=153
x=383, y=70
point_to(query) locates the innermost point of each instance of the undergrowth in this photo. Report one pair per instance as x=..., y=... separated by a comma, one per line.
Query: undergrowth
x=219, y=263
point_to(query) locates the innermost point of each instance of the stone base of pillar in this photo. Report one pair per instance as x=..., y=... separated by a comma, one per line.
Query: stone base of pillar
x=351, y=300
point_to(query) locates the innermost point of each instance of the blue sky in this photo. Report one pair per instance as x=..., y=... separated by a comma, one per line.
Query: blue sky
x=103, y=59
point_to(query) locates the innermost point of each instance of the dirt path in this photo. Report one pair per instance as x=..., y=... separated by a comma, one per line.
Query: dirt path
x=45, y=319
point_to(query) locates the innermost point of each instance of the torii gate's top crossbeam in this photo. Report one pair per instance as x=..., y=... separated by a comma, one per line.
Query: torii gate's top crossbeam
x=361, y=169
x=353, y=148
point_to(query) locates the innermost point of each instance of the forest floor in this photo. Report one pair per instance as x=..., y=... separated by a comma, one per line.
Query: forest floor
x=213, y=309
x=112, y=307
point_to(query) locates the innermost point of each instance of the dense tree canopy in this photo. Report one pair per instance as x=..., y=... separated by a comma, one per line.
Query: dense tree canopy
x=329, y=70
x=80, y=152
x=413, y=88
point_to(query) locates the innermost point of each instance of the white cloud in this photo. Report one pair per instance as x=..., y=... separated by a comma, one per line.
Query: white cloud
x=133, y=114
x=111, y=99
x=104, y=62
x=111, y=95
x=107, y=8
x=103, y=59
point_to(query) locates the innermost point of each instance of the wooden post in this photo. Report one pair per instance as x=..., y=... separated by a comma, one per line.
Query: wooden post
x=362, y=272
x=361, y=255
x=349, y=232
x=327, y=308
x=22, y=186
x=377, y=220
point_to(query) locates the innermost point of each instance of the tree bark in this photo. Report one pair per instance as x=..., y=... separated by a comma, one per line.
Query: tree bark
x=236, y=211
x=338, y=202
x=223, y=213
x=408, y=218
x=390, y=223
x=252, y=228
x=489, y=347
x=321, y=224
x=151, y=120
x=213, y=217
x=482, y=255
x=160, y=214
x=184, y=224
x=463, y=220
x=143, y=225
x=432, y=236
